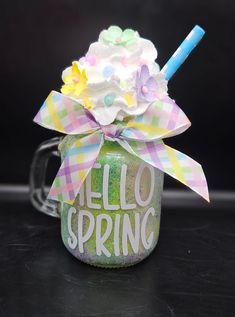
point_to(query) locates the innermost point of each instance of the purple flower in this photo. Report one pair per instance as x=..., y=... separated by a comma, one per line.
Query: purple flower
x=146, y=85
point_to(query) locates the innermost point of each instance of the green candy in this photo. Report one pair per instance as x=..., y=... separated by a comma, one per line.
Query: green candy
x=116, y=36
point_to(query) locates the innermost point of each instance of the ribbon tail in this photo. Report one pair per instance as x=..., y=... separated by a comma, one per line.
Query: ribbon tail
x=172, y=162
x=77, y=164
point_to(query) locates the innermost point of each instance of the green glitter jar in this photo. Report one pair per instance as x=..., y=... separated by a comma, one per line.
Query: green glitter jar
x=115, y=219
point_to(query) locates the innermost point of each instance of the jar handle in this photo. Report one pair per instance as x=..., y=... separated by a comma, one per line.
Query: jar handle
x=38, y=195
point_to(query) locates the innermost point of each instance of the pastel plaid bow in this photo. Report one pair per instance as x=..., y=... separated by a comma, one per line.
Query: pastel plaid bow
x=141, y=136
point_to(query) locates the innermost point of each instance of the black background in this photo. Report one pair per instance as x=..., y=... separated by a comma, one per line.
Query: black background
x=40, y=38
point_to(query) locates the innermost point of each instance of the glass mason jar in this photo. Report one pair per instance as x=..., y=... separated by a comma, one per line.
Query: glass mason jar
x=115, y=219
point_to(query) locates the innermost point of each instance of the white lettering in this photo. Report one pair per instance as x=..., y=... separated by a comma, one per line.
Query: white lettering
x=107, y=206
x=83, y=238
x=147, y=242
x=127, y=232
x=100, y=240
x=72, y=240
x=116, y=235
x=81, y=195
x=89, y=193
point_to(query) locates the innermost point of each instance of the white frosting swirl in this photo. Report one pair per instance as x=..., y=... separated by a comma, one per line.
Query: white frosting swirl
x=111, y=78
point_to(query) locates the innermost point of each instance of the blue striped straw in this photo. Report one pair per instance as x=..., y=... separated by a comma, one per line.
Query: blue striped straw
x=182, y=52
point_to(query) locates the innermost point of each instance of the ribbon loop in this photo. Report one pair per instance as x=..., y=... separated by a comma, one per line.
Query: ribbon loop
x=161, y=120
x=64, y=114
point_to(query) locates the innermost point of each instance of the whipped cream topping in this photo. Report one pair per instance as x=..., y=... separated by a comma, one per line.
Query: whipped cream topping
x=115, y=75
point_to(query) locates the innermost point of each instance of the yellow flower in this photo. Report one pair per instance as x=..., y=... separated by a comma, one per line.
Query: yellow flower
x=75, y=82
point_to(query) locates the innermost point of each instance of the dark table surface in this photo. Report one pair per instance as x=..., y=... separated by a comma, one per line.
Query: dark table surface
x=190, y=273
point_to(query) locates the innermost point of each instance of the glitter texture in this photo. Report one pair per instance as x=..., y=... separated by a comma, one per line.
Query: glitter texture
x=115, y=156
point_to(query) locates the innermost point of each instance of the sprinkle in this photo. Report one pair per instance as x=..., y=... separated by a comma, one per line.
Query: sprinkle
x=124, y=61
x=108, y=71
x=129, y=99
x=92, y=60
x=108, y=100
x=87, y=103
